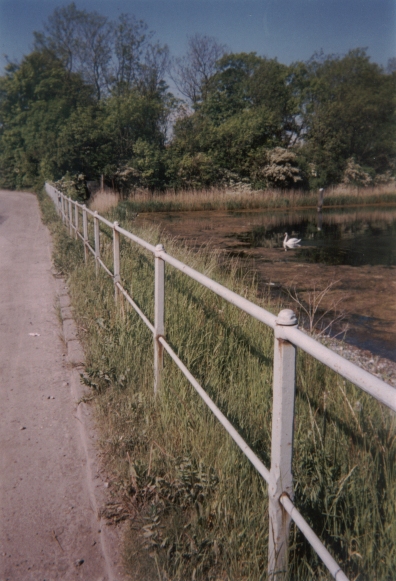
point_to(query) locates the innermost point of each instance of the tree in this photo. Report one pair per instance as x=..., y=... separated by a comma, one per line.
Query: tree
x=83, y=146
x=37, y=99
x=391, y=66
x=145, y=169
x=349, y=112
x=60, y=36
x=90, y=100
x=81, y=40
x=192, y=72
x=248, y=109
x=111, y=56
x=270, y=87
x=130, y=38
x=94, y=50
x=228, y=90
x=153, y=70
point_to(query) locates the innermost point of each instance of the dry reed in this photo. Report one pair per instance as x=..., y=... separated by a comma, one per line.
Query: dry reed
x=103, y=201
x=230, y=199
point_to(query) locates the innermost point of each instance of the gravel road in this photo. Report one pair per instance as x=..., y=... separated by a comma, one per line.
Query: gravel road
x=49, y=527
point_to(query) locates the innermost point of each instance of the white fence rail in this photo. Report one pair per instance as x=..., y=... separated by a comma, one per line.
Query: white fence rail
x=287, y=338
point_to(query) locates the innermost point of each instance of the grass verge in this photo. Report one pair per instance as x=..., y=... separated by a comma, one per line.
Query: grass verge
x=199, y=506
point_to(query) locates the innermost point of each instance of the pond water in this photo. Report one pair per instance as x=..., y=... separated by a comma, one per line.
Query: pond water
x=349, y=237
x=350, y=251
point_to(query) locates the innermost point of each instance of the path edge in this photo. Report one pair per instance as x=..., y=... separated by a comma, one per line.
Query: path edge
x=97, y=486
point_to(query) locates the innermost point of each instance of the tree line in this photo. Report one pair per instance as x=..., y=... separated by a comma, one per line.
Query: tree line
x=92, y=99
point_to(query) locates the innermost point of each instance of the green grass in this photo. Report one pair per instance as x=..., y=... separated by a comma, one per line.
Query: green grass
x=199, y=506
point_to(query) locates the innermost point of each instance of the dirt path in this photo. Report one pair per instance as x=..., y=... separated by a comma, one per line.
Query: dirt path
x=49, y=527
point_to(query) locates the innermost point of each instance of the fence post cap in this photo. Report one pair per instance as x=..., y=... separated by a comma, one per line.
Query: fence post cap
x=286, y=317
x=159, y=248
x=115, y=224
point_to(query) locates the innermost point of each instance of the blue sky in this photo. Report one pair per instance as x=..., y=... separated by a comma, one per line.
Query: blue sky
x=287, y=29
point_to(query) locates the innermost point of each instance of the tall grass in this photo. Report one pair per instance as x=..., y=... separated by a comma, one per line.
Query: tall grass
x=224, y=199
x=200, y=507
x=103, y=201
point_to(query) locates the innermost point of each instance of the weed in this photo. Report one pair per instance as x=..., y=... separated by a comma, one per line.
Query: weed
x=200, y=507
x=317, y=320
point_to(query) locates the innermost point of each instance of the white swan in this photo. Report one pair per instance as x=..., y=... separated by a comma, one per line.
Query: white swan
x=290, y=242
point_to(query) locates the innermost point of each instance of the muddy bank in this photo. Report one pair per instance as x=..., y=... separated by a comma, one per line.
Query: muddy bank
x=363, y=294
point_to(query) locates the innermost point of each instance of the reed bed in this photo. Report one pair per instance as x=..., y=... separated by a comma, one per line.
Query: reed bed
x=195, y=506
x=103, y=201
x=231, y=199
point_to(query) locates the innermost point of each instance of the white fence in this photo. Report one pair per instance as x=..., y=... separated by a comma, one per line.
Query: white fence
x=287, y=338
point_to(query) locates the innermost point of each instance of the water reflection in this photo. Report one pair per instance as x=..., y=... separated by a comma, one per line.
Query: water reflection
x=355, y=247
x=349, y=237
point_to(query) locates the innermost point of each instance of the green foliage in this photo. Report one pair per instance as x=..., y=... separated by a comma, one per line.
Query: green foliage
x=349, y=112
x=73, y=186
x=37, y=100
x=248, y=108
x=92, y=100
x=145, y=168
x=193, y=171
x=85, y=102
x=51, y=125
x=135, y=124
x=84, y=147
x=326, y=111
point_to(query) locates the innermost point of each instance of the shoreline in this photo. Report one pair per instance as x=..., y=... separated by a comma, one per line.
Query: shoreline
x=378, y=366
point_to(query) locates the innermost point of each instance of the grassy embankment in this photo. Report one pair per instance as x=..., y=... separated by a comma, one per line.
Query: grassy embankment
x=200, y=508
x=223, y=199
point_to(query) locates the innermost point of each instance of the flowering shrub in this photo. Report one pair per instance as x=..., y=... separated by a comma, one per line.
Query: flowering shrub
x=281, y=171
x=355, y=175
